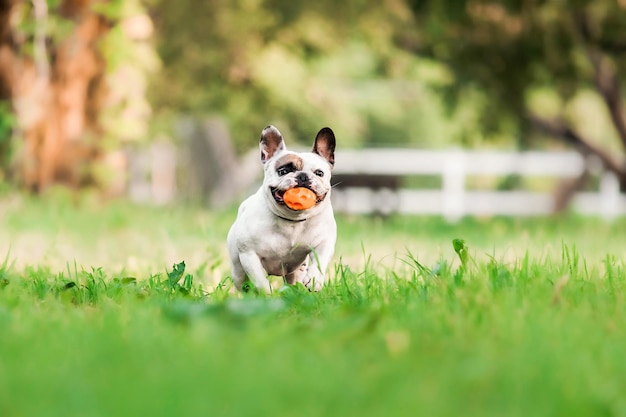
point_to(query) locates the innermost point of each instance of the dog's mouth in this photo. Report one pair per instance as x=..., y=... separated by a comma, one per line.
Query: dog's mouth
x=279, y=194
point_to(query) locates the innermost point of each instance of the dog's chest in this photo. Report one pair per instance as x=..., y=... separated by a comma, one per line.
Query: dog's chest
x=282, y=253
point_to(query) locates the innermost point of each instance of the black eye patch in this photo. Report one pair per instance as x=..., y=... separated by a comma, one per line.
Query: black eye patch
x=286, y=169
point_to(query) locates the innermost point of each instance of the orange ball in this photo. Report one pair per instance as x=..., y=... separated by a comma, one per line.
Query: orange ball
x=299, y=198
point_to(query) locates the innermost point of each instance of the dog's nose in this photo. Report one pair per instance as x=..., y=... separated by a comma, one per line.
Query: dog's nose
x=302, y=179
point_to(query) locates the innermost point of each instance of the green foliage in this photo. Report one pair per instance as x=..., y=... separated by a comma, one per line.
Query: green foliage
x=112, y=9
x=299, y=66
x=7, y=122
x=461, y=250
x=425, y=73
x=420, y=72
x=176, y=274
x=512, y=52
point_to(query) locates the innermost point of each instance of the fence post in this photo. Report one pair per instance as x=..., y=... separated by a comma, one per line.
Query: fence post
x=453, y=186
x=163, y=172
x=139, y=186
x=609, y=195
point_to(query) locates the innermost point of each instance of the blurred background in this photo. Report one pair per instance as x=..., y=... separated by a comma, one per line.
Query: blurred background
x=164, y=101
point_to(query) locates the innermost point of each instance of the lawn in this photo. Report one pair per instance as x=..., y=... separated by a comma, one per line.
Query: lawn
x=98, y=318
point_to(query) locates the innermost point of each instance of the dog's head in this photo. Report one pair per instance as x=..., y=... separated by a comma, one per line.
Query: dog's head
x=285, y=170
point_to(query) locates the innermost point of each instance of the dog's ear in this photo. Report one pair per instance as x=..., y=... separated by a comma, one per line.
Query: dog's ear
x=325, y=145
x=271, y=143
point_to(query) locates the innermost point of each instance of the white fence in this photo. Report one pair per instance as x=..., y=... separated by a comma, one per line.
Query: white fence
x=374, y=185
x=454, y=200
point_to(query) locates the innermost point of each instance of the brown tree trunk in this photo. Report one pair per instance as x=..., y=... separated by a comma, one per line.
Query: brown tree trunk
x=55, y=92
x=560, y=130
x=566, y=190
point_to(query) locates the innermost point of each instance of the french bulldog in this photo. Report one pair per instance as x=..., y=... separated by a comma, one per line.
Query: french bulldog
x=268, y=237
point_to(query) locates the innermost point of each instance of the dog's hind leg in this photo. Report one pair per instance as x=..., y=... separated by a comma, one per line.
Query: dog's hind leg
x=298, y=275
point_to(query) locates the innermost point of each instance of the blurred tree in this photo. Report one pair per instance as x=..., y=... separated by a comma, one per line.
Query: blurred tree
x=56, y=92
x=55, y=56
x=541, y=67
x=298, y=65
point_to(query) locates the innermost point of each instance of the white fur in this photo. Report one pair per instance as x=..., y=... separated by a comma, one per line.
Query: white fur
x=268, y=238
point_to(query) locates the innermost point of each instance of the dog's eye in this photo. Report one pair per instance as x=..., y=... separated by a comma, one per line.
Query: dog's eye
x=319, y=172
x=285, y=169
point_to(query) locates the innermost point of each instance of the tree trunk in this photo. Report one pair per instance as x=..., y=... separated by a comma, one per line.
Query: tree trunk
x=566, y=190
x=55, y=92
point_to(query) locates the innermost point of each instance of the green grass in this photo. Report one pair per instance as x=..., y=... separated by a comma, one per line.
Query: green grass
x=98, y=318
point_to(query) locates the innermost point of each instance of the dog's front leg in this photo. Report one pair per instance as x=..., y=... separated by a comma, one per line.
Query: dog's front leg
x=255, y=272
x=319, y=258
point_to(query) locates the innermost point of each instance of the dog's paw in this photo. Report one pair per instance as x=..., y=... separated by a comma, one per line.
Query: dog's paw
x=314, y=283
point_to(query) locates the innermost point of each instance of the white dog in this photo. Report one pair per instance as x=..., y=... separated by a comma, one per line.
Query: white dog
x=268, y=237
